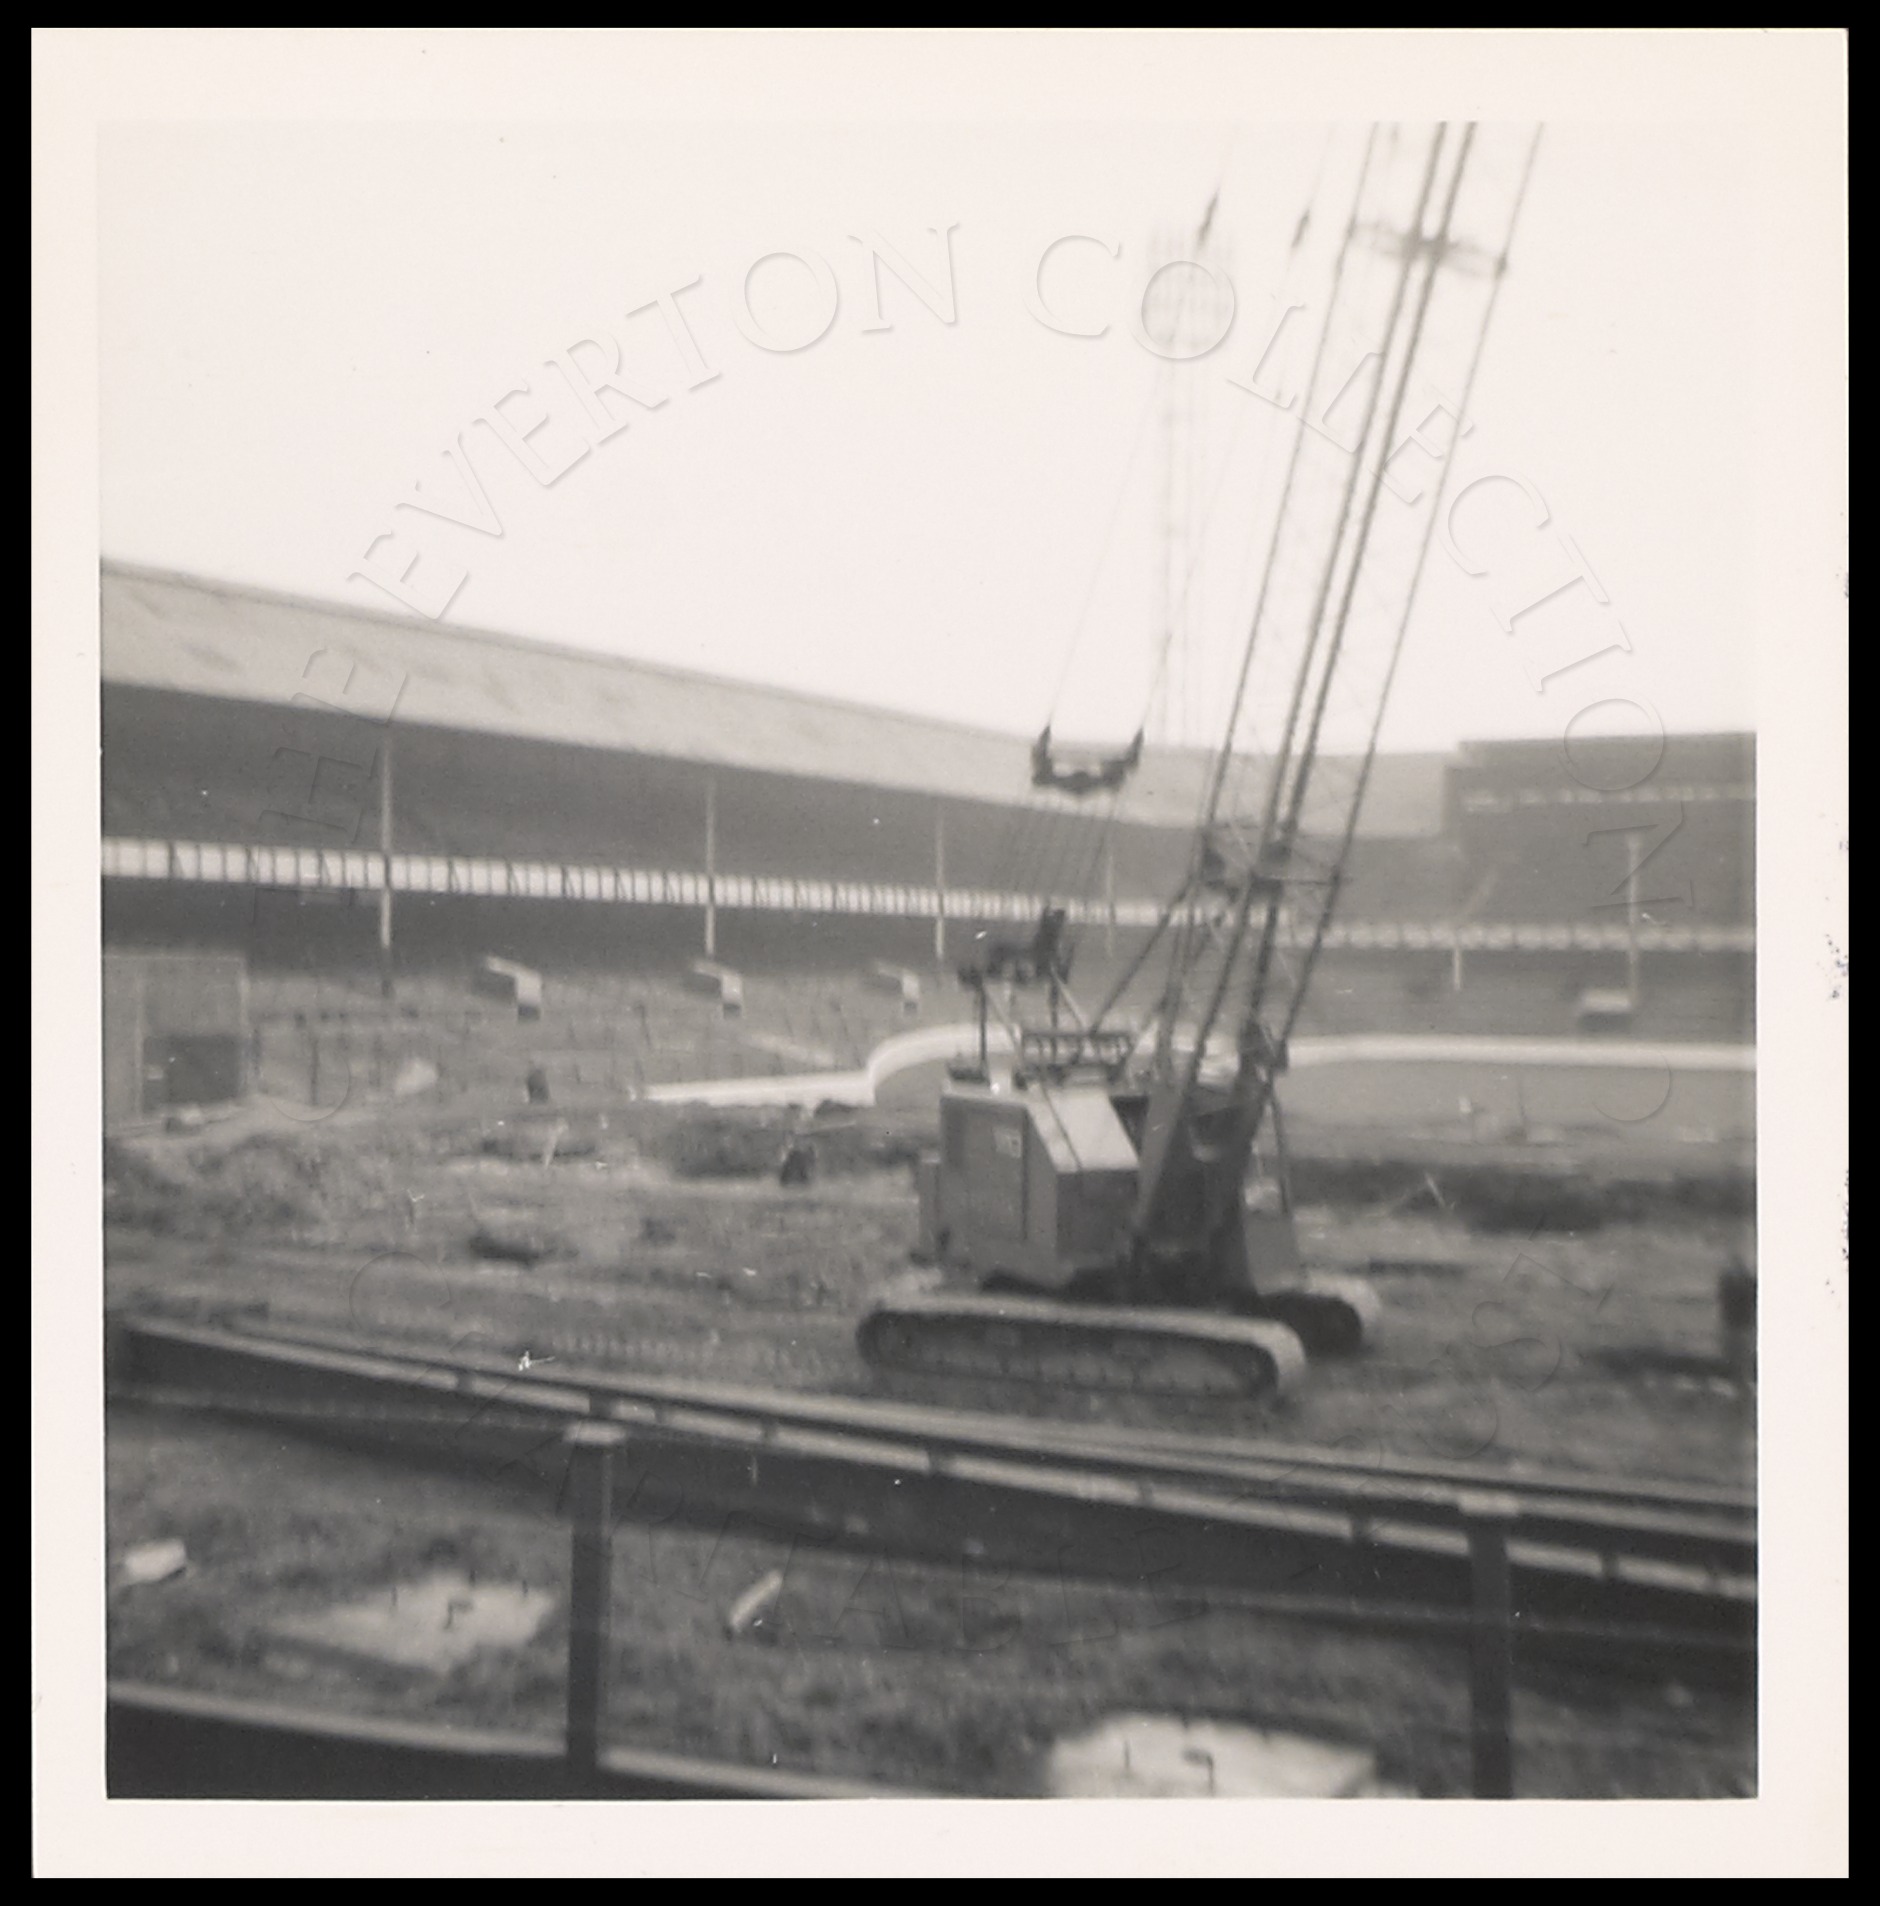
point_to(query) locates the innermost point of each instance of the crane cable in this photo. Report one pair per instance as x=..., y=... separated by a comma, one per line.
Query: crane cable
x=1288, y=277
x=1190, y=929
x=1103, y=550
x=1039, y=859
x=1069, y=869
x=1325, y=644
x=1093, y=860
x=1416, y=577
x=1104, y=833
x=1142, y=430
x=1014, y=854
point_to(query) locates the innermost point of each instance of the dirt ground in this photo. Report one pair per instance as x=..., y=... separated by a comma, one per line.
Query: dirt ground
x=1587, y=1348
x=663, y=1241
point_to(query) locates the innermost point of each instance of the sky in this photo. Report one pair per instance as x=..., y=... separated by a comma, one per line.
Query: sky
x=302, y=324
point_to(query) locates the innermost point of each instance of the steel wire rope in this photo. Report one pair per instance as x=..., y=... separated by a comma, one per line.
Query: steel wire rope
x=1103, y=835
x=1185, y=945
x=1307, y=748
x=1230, y=790
x=1046, y=864
x=1015, y=844
x=1396, y=653
x=1052, y=853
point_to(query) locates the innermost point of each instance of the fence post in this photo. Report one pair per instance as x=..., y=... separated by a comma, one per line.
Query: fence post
x=591, y=1448
x=1487, y=1518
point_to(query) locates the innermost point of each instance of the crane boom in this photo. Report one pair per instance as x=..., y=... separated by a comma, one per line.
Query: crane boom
x=1346, y=552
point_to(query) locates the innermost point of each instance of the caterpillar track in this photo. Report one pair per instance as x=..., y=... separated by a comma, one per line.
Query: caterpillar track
x=1141, y=1352
x=1332, y=1316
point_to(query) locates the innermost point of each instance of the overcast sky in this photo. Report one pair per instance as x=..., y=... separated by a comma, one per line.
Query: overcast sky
x=297, y=322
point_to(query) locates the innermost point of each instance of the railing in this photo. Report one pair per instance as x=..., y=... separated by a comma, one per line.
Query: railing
x=309, y=869
x=1069, y=1045
x=1490, y=800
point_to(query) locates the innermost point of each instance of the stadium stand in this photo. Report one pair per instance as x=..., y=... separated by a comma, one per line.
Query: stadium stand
x=607, y=825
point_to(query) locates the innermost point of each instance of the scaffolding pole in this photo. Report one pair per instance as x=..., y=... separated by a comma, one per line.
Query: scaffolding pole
x=939, y=885
x=386, y=980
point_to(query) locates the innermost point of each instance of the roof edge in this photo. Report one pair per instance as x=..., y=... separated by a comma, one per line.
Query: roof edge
x=530, y=645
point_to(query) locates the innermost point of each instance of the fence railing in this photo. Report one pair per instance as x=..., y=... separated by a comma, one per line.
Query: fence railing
x=349, y=870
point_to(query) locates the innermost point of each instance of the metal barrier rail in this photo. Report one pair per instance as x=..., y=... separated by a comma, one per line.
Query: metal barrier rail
x=881, y=1490
x=1709, y=1528
x=1173, y=1449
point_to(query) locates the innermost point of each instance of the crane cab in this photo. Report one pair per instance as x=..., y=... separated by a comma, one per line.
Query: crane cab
x=1036, y=1185
x=1033, y=1185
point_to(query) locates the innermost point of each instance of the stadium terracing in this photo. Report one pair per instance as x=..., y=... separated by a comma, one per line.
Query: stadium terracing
x=299, y=780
